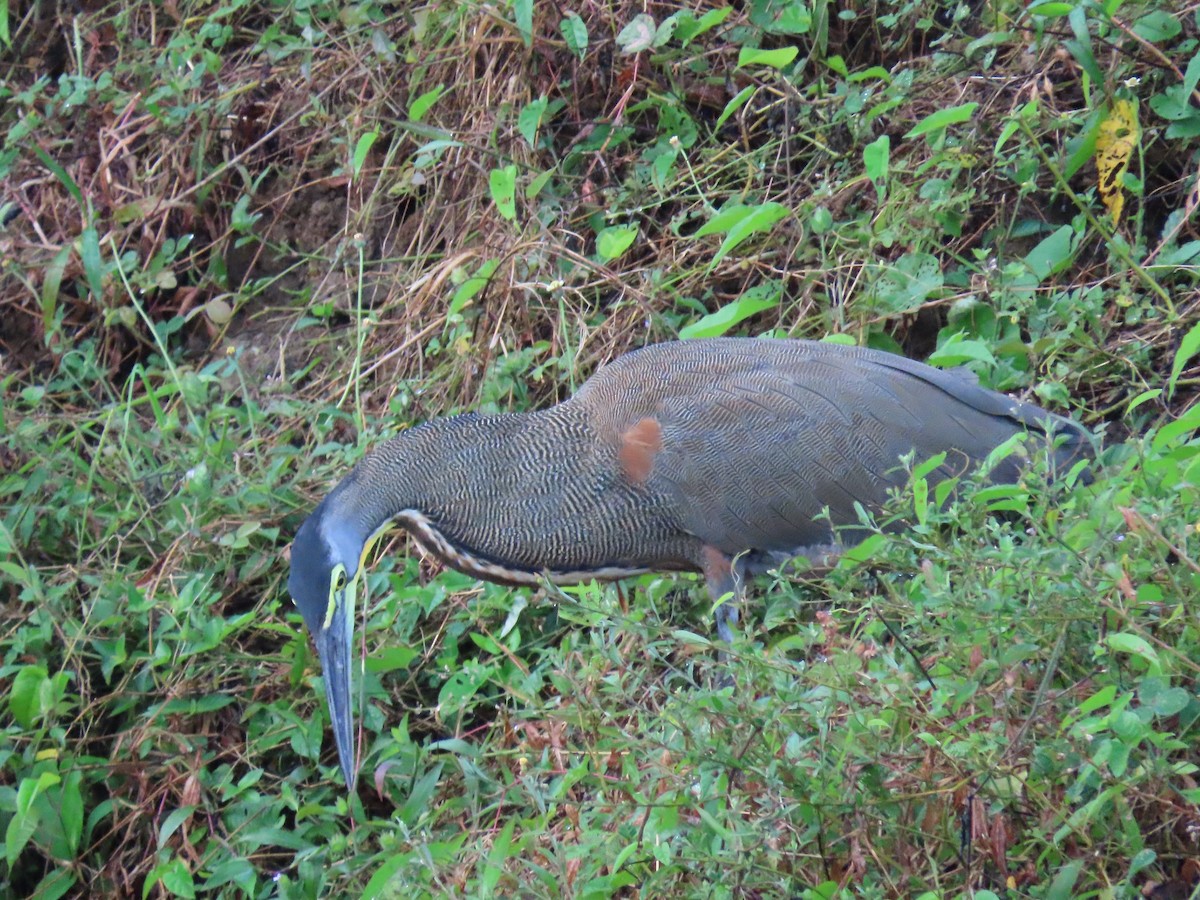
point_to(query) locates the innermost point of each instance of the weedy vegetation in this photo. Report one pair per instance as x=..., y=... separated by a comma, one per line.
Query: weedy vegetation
x=243, y=242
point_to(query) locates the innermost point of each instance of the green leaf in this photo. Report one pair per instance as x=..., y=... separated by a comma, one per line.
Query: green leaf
x=1188, y=347
x=1157, y=695
x=1158, y=26
x=612, y=242
x=781, y=16
x=1051, y=9
x=70, y=810
x=51, y=282
x=738, y=222
x=361, y=149
x=382, y=877
x=172, y=822
x=688, y=27
x=420, y=795
x=875, y=158
x=497, y=858
x=956, y=352
x=1063, y=886
x=523, y=11
x=422, y=105
x=1081, y=46
x=1134, y=645
x=89, y=255
x=715, y=324
x=1141, y=860
x=941, y=119
x=1102, y=698
x=54, y=885
x=1143, y=397
x=60, y=173
x=530, y=119
x=908, y=282
x=175, y=877
x=470, y=288
x=638, y=35
x=575, y=33
x=503, y=186
x=1052, y=254
x=25, y=819
x=735, y=104
x=775, y=59
x=29, y=697
x=537, y=183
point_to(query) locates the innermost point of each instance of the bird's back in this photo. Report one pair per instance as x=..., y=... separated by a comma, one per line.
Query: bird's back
x=747, y=441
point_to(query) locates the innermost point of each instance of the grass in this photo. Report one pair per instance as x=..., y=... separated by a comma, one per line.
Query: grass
x=242, y=243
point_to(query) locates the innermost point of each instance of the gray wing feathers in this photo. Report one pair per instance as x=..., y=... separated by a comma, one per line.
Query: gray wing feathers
x=777, y=434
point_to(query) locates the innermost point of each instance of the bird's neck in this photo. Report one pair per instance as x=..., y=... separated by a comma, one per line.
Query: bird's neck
x=463, y=472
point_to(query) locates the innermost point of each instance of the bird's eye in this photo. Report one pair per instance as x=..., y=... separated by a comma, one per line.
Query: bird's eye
x=339, y=579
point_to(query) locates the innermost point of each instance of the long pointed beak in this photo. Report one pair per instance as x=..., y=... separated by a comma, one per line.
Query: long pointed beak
x=334, y=649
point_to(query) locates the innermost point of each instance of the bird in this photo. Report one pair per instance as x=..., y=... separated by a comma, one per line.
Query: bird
x=724, y=456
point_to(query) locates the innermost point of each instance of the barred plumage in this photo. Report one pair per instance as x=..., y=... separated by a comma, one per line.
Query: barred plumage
x=677, y=456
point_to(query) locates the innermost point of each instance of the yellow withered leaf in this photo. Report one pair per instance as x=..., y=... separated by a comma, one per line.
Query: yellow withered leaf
x=1114, y=146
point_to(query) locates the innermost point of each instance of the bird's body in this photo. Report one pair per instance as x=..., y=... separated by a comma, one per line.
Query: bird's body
x=685, y=455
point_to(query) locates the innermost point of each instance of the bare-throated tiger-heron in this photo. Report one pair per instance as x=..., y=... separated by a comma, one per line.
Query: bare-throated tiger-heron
x=717, y=456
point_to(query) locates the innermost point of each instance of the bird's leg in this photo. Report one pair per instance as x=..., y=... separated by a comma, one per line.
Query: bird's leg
x=723, y=588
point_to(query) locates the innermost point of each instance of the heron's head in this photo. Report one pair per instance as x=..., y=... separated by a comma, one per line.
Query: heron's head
x=326, y=557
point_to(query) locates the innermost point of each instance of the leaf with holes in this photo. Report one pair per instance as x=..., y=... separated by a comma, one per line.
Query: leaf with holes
x=1115, y=141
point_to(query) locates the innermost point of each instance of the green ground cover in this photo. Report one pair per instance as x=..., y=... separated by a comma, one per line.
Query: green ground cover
x=240, y=243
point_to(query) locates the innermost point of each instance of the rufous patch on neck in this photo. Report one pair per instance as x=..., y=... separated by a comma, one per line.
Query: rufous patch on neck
x=640, y=443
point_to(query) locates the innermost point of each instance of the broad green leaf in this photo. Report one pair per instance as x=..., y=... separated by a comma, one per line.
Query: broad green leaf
x=1053, y=254
x=1100, y=699
x=638, y=35
x=575, y=33
x=688, y=27
x=941, y=119
x=1051, y=9
x=775, y=59
x=497, y=859
x=720, y=322
x=530, y=119
x=875, y=158
x=29, y=696
x=1081, y=46
x=748, y=221
x=1134, y=645
x=70, y=810
x=908, y=282
x=503, y=185
x=470, y=288
x=422, y=105
x=382, y=877
x=956, y=352
x=523, y=13
x=25, y=819
x=1158, y=26
x=615, y=240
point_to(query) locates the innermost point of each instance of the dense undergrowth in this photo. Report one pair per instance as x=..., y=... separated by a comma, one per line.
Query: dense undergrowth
x=242, y=242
